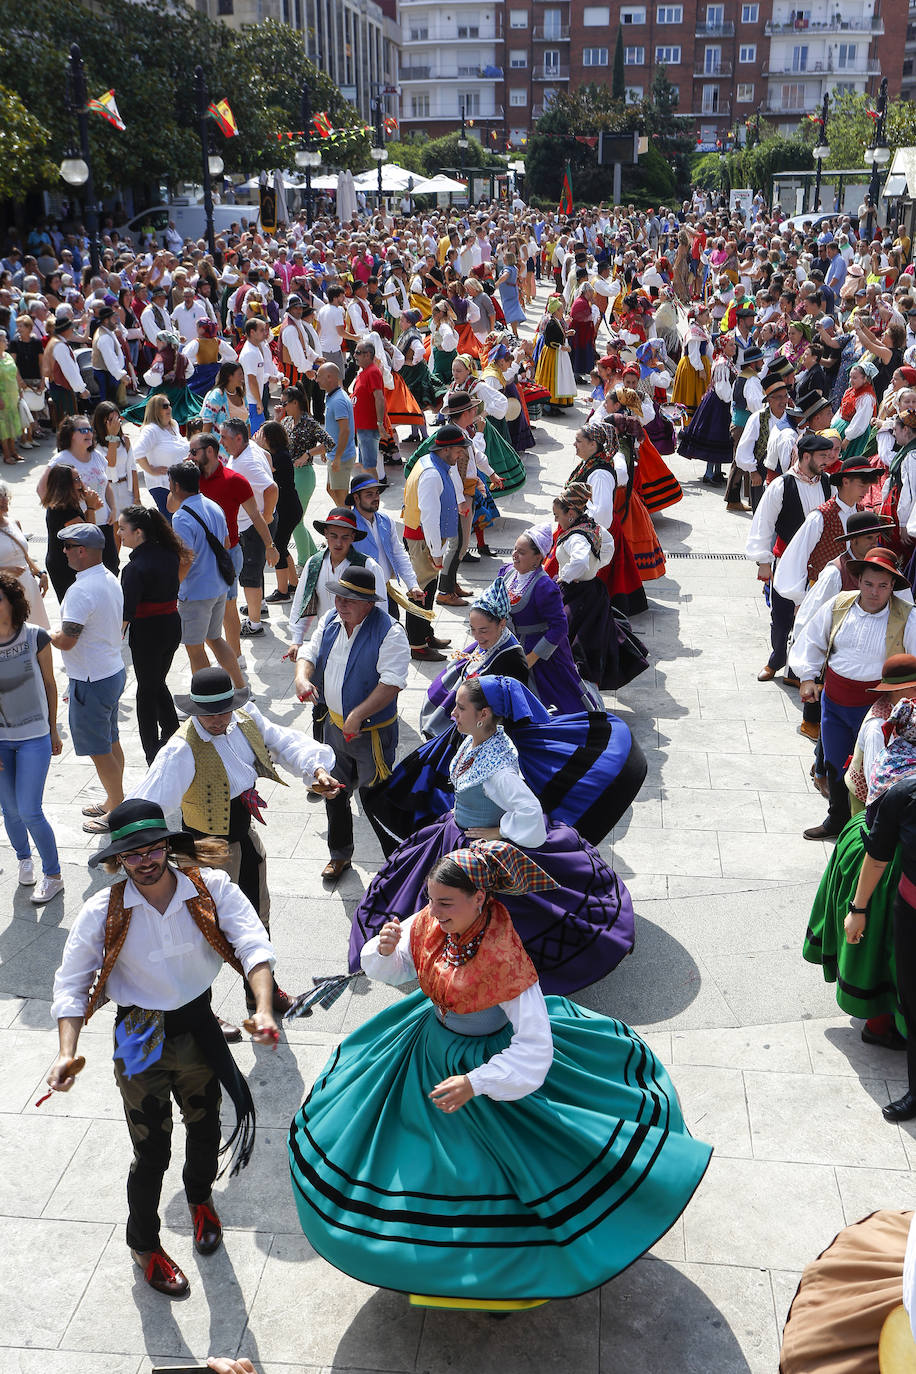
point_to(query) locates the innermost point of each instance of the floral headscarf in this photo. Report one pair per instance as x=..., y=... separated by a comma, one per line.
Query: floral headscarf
x=898, y=759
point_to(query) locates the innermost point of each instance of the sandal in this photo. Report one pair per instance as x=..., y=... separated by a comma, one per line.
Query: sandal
x=99, y=827
x=95, y=810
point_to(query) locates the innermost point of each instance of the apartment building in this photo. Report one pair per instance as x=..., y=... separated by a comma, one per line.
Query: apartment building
x=728, y=60
x=908, y=78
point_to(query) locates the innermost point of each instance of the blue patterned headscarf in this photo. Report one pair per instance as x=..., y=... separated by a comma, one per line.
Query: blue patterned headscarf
x=510, y=700
x=494, y=602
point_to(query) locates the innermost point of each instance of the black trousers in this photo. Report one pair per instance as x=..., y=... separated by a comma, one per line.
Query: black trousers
x=182, y=1073
x=905, y=956
x=782, y=614
x=153, y=643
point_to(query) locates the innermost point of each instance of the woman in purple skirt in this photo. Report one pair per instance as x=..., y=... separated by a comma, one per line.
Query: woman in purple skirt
x=537, y=617
x=575, y=933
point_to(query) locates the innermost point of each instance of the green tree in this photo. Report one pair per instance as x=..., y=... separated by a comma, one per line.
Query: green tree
x=618, y=81
x=753, y=166
x=439, y=153
x=24, y=144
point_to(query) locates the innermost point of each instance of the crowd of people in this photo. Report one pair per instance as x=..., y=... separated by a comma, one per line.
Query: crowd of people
x=193, y=399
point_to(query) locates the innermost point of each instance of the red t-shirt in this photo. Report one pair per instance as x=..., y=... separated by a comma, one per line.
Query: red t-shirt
x=367, y=382
x=229, y=490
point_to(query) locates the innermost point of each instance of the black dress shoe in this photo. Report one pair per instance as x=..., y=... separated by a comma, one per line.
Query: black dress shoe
x=904, y=1109
x=485, y=551
x=470, y=557
x=427, y=654
x=890, y=1040
x=438, y=643
x=820, y=832
x=208, y=1231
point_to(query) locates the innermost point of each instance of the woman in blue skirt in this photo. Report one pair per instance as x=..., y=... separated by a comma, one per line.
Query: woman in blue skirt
x=477, y=1141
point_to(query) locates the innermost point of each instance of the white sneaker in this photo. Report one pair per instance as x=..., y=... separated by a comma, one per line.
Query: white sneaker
x=46, y=889
x=26, y=873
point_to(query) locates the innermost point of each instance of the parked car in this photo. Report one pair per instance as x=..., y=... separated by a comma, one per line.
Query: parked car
x=189, y=218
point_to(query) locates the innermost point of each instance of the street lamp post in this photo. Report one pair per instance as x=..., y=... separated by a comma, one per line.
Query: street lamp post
x=202, y=100
x=378, y=152
x=878, y=155
x=821, y=152
x=76, y=169
x=306, y=156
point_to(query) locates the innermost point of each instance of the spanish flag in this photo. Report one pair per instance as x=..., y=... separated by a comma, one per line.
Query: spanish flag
x=566, y=196
x=108, y=109
x=224, y=117
x=322, y=125
x=390, y=125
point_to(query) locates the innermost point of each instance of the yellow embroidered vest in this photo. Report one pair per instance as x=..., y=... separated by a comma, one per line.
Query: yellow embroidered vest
x=896, y=621
x=205, y=805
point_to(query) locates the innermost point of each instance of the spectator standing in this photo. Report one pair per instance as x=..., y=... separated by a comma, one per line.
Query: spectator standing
x=258, y=365
x=202, y=593
x=331, y=329
x=75, y=450
x=340, y=425
x=159, y=445
x=15, y=559
x=150, y=582
x=112, y=444
x=89, y=641
x=369, y=410
x=257, y=550
x=28, y=738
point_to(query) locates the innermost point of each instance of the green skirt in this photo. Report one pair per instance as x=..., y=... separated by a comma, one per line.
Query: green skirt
x=545, y=1197
x=865, y=974
x=185, y=405
x=422, y=385
x=502, y=457
x=440, y=364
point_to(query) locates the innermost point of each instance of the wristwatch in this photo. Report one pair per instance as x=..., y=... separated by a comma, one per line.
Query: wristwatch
x=858, y=910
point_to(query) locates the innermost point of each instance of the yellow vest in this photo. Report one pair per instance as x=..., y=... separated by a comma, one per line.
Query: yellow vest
x=896, y=621
x=410, y=513
x=205, y=805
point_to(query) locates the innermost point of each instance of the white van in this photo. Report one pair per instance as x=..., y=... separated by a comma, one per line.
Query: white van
x=189, y=218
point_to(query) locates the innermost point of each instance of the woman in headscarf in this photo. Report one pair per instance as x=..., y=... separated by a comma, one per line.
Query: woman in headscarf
x=493, y=650
x=502, y=370
x=857, y=408
x=443, y=340
x=864, y=969
x=575, y=936
x=652, y=383
x=168, y=376
x=603, y=468
x=693, y=371
x=425, y=388
x=583, y=321
x=800, y=332
x=654, y=481
x=708, y=435
x=537, y=1096
x=554, y=370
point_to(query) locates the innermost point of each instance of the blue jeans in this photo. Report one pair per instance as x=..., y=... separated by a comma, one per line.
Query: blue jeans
x=22, y=783
x=839, y=728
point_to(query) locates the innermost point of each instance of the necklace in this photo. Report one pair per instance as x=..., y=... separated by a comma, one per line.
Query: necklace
x=460, y=949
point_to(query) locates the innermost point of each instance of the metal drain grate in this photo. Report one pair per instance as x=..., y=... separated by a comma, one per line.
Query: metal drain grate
x=709, y=557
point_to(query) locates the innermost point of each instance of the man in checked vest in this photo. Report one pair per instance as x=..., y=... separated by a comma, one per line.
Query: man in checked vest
x=210, y=769
x=839, y=657
x=153, y=943
x=751, y=452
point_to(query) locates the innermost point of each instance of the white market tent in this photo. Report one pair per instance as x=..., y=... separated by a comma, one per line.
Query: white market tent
x=394, y=178
x=438, y=185
x=327, y=182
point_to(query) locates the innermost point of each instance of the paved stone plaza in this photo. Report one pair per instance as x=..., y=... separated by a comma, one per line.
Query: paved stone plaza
x=767, y=1071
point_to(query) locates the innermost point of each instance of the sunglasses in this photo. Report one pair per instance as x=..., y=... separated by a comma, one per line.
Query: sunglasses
x=83, y=429
x=137, y=856
x=166, y=405
x=65, y=547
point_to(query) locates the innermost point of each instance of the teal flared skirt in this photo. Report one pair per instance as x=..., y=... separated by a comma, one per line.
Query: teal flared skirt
x=501, y=456
x=545, y=1197
x=185, y=405
x=865, y=974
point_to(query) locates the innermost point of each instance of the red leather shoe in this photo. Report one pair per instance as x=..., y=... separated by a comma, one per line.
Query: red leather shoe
x=208, y=1231
x=163, y=1274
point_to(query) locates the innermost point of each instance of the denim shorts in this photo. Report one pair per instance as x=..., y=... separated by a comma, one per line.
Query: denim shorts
x=203, y=619
x=94, y=713
x=235, y=553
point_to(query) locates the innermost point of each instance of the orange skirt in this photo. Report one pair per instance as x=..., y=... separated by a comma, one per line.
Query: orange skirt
x=401, y=407
x=655, y=482
x=640, y=535
x=468, y=342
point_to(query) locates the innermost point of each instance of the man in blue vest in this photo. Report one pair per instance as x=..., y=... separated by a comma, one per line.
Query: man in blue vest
x=381, y=543
x=354, y=665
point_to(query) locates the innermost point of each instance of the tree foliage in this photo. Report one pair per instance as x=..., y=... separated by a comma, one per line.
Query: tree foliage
x=147, y=53
x=753, y=166
x=850, y=130
x=24, y=144
x=439, y=153
x=582, y=114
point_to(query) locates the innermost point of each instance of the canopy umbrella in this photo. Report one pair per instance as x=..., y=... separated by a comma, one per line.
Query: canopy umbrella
x=427, y=186
x=394, y=178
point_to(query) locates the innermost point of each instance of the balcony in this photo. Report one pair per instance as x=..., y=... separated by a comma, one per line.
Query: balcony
x=875, y=25
x=712, y=73
x=726, y=30
x=435, y=37
x=540, y=72
x=786, y=111
x=820, y=70
x=409, y=74
x=453, y=113
x=550, y=33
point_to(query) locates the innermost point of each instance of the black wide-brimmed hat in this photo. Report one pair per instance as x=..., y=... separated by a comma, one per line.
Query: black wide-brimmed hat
x=355, y=584
x=863, y=522
x=340, y=518
x=858, y=466
x=212, y=694
x=134, y=825
x=811, y=404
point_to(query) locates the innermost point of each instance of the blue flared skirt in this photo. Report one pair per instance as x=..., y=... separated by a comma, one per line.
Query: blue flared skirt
x=545, y=1197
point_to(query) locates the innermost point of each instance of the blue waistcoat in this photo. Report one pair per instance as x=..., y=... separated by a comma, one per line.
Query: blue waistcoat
x=382, y=534
x=448, y=501
x=361, y=676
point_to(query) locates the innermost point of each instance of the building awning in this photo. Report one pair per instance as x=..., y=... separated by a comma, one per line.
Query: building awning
x=895, y=186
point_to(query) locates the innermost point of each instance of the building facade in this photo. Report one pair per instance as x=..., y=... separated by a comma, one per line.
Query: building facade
x=728, y=60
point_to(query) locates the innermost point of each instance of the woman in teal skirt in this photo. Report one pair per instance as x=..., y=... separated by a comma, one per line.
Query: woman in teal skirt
x=306, y=439
x=168, y=376
x=478, y=1143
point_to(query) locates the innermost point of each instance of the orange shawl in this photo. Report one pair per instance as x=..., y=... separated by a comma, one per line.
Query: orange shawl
x=499, y=971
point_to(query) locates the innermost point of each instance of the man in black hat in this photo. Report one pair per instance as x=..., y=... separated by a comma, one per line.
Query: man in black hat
x=354, y=666
x=434, y=503
x=811, y=414
x=751, y=452
x=864, y=532
x=814, y=544
x=312, y=596
x=155, y=318
x=839, y=656
x=781, y=512
x=108, y=360
x=210, y=768
x=153, y=943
